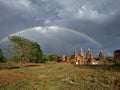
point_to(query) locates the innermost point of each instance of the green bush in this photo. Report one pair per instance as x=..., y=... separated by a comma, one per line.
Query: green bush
x=54, y=57
x=44, y=59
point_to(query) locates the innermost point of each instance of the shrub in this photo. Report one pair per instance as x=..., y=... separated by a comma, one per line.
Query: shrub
x=54, y=57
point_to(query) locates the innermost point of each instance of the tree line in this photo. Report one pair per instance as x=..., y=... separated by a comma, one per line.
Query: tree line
x=24, y=50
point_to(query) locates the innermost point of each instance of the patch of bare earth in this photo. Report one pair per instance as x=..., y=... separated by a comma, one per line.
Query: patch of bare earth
x=11, y=76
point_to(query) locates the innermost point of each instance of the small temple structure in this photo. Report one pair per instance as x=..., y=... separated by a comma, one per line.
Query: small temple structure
x=101, y=55
x=89, y=57
x=80, y=58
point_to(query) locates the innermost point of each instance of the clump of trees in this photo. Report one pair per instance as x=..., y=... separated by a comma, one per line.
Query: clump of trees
x=54, y=57
x=25, y=50
x=51, y=57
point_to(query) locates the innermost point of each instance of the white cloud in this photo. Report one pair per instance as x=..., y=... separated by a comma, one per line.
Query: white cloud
x=37, y=28
x=87, y=13
x=54, y=28
x=47, y=29
x=41, y=30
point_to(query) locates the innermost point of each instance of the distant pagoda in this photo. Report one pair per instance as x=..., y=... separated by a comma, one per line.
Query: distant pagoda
x=80, y=58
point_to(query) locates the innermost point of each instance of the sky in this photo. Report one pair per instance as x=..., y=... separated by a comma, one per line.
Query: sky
x=98, y=19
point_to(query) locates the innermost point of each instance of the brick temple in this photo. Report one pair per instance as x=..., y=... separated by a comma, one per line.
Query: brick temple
x=79, y=58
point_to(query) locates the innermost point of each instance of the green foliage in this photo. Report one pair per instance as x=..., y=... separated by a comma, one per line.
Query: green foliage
x=2, y=58
x=25, y=49
x=53, y=57
x=44, y=59
x=35, y=53
x=14, y=59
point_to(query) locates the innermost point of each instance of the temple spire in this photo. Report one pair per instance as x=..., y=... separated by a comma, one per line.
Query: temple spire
x=75, y=53
x=101, y=55
x=81, y=52
x=89, y=50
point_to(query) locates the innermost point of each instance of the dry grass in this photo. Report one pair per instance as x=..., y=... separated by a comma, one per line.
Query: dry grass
x=60, y=76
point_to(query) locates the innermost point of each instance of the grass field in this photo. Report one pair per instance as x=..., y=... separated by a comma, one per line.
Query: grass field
x=60, y=76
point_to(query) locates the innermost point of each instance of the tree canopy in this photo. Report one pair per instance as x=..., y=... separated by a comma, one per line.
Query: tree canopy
x=26, y=49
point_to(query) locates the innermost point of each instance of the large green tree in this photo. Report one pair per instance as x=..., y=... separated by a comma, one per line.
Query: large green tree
x=26, y=49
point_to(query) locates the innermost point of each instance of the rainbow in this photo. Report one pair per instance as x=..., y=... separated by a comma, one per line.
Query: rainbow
x=59, y=27
x=65, y=28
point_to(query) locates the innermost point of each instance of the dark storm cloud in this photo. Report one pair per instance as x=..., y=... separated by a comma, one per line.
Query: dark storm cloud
x=111, y=32
x=113, y=27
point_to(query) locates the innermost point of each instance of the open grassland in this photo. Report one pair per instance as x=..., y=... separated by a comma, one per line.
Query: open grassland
x=60, y=76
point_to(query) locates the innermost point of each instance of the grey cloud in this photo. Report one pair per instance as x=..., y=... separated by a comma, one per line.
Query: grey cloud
x=64, y=9
x=89, y=8
x=113, y=27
